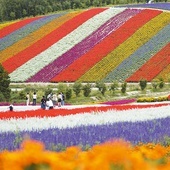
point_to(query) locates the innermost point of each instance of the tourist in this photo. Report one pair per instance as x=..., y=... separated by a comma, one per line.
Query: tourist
x=62, y=99
x=27, y=99
x=34, y=98
x=49, y=104
x=11, y=107
x=43, y=102
x=54, y=99
x=59, y=99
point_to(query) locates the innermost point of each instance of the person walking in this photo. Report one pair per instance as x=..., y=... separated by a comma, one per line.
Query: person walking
x=27, y=99
x=54, y=99
x=62, y=99
x=34, y=98
x=59, y=99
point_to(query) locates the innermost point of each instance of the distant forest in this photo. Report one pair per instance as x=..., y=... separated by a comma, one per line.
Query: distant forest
x=16, y=9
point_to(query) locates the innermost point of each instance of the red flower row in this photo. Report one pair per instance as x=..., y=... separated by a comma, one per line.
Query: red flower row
x=17, y=25
x=65, y=112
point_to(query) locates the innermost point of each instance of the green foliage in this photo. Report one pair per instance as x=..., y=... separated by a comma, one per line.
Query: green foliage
x=123, y=87
x=161, y=83
x=142, y=84
x=77, y=88
x=2, y=98
x=155, y=85
x=68, y=93
x=114, y=86
x=86, y=90
x=102, y=87
x=4, y=83
x=15, y=9
x=61, y=87
x=22, y=95
x=47, y=91
x=41, y=166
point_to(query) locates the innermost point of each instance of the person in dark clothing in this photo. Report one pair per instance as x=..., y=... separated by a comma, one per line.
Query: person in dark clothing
x=11, y=107
x=43, y=102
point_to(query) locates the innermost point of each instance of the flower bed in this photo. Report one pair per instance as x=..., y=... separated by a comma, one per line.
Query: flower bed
x=69, y=138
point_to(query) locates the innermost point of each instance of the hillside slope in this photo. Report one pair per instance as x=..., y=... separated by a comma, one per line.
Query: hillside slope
x=127, y=43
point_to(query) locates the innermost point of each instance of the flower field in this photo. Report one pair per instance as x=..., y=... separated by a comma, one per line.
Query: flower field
x=88, y=137
x=114, y=43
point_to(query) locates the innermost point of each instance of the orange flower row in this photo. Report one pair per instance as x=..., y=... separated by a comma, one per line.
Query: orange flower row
x=116, y=154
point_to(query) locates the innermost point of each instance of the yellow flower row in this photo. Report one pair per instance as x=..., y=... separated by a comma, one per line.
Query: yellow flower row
x=123, y=51
x=112, y=155
x=35, y=36
x=6, y=24
x=165, y=74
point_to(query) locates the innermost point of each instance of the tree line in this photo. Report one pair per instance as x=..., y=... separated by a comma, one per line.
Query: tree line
x=16, y=9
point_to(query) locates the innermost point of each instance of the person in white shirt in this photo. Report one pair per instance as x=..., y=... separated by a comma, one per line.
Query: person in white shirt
x=49, y=104
x=59, y=99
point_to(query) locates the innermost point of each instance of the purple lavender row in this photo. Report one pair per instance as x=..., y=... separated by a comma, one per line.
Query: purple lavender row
x=51, y=70
x=163, y=6
x=138, y=58
x=25, y=30
x=145, y=132
x=118, y=102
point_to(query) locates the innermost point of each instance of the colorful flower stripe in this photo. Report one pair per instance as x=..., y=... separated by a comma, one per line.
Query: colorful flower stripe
x=149, y=123
x=10, y=27
x=6, y=24
x=153, y=66
x=85, y=118
x=65, y=26
x=33, y=154
x=15, y=39
x=66, y=43
x=139, y=57
x=22, y=32
x=72, y=111
x=112, y=60
x=83, y=47
x=37, y=38
x=78, y=68
x=164, y=74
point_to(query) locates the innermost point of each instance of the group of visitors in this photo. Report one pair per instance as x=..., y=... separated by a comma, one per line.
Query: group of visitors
x=52, y=100
x=49, y=102
x=34, y=97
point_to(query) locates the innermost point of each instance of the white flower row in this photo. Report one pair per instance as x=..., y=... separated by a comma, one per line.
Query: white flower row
x=66, y=43
x=86, y=119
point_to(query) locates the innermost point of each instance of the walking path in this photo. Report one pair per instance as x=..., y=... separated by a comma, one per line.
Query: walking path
x=30, y=107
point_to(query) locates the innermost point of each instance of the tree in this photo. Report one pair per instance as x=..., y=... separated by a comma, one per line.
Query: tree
x=102, y=87
x=123, y=87
x=114, y=86
x=143, y=84
x=77, y=88
x=161, y=83
x=68, y=93
x=87, y=90
x=4, y=83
